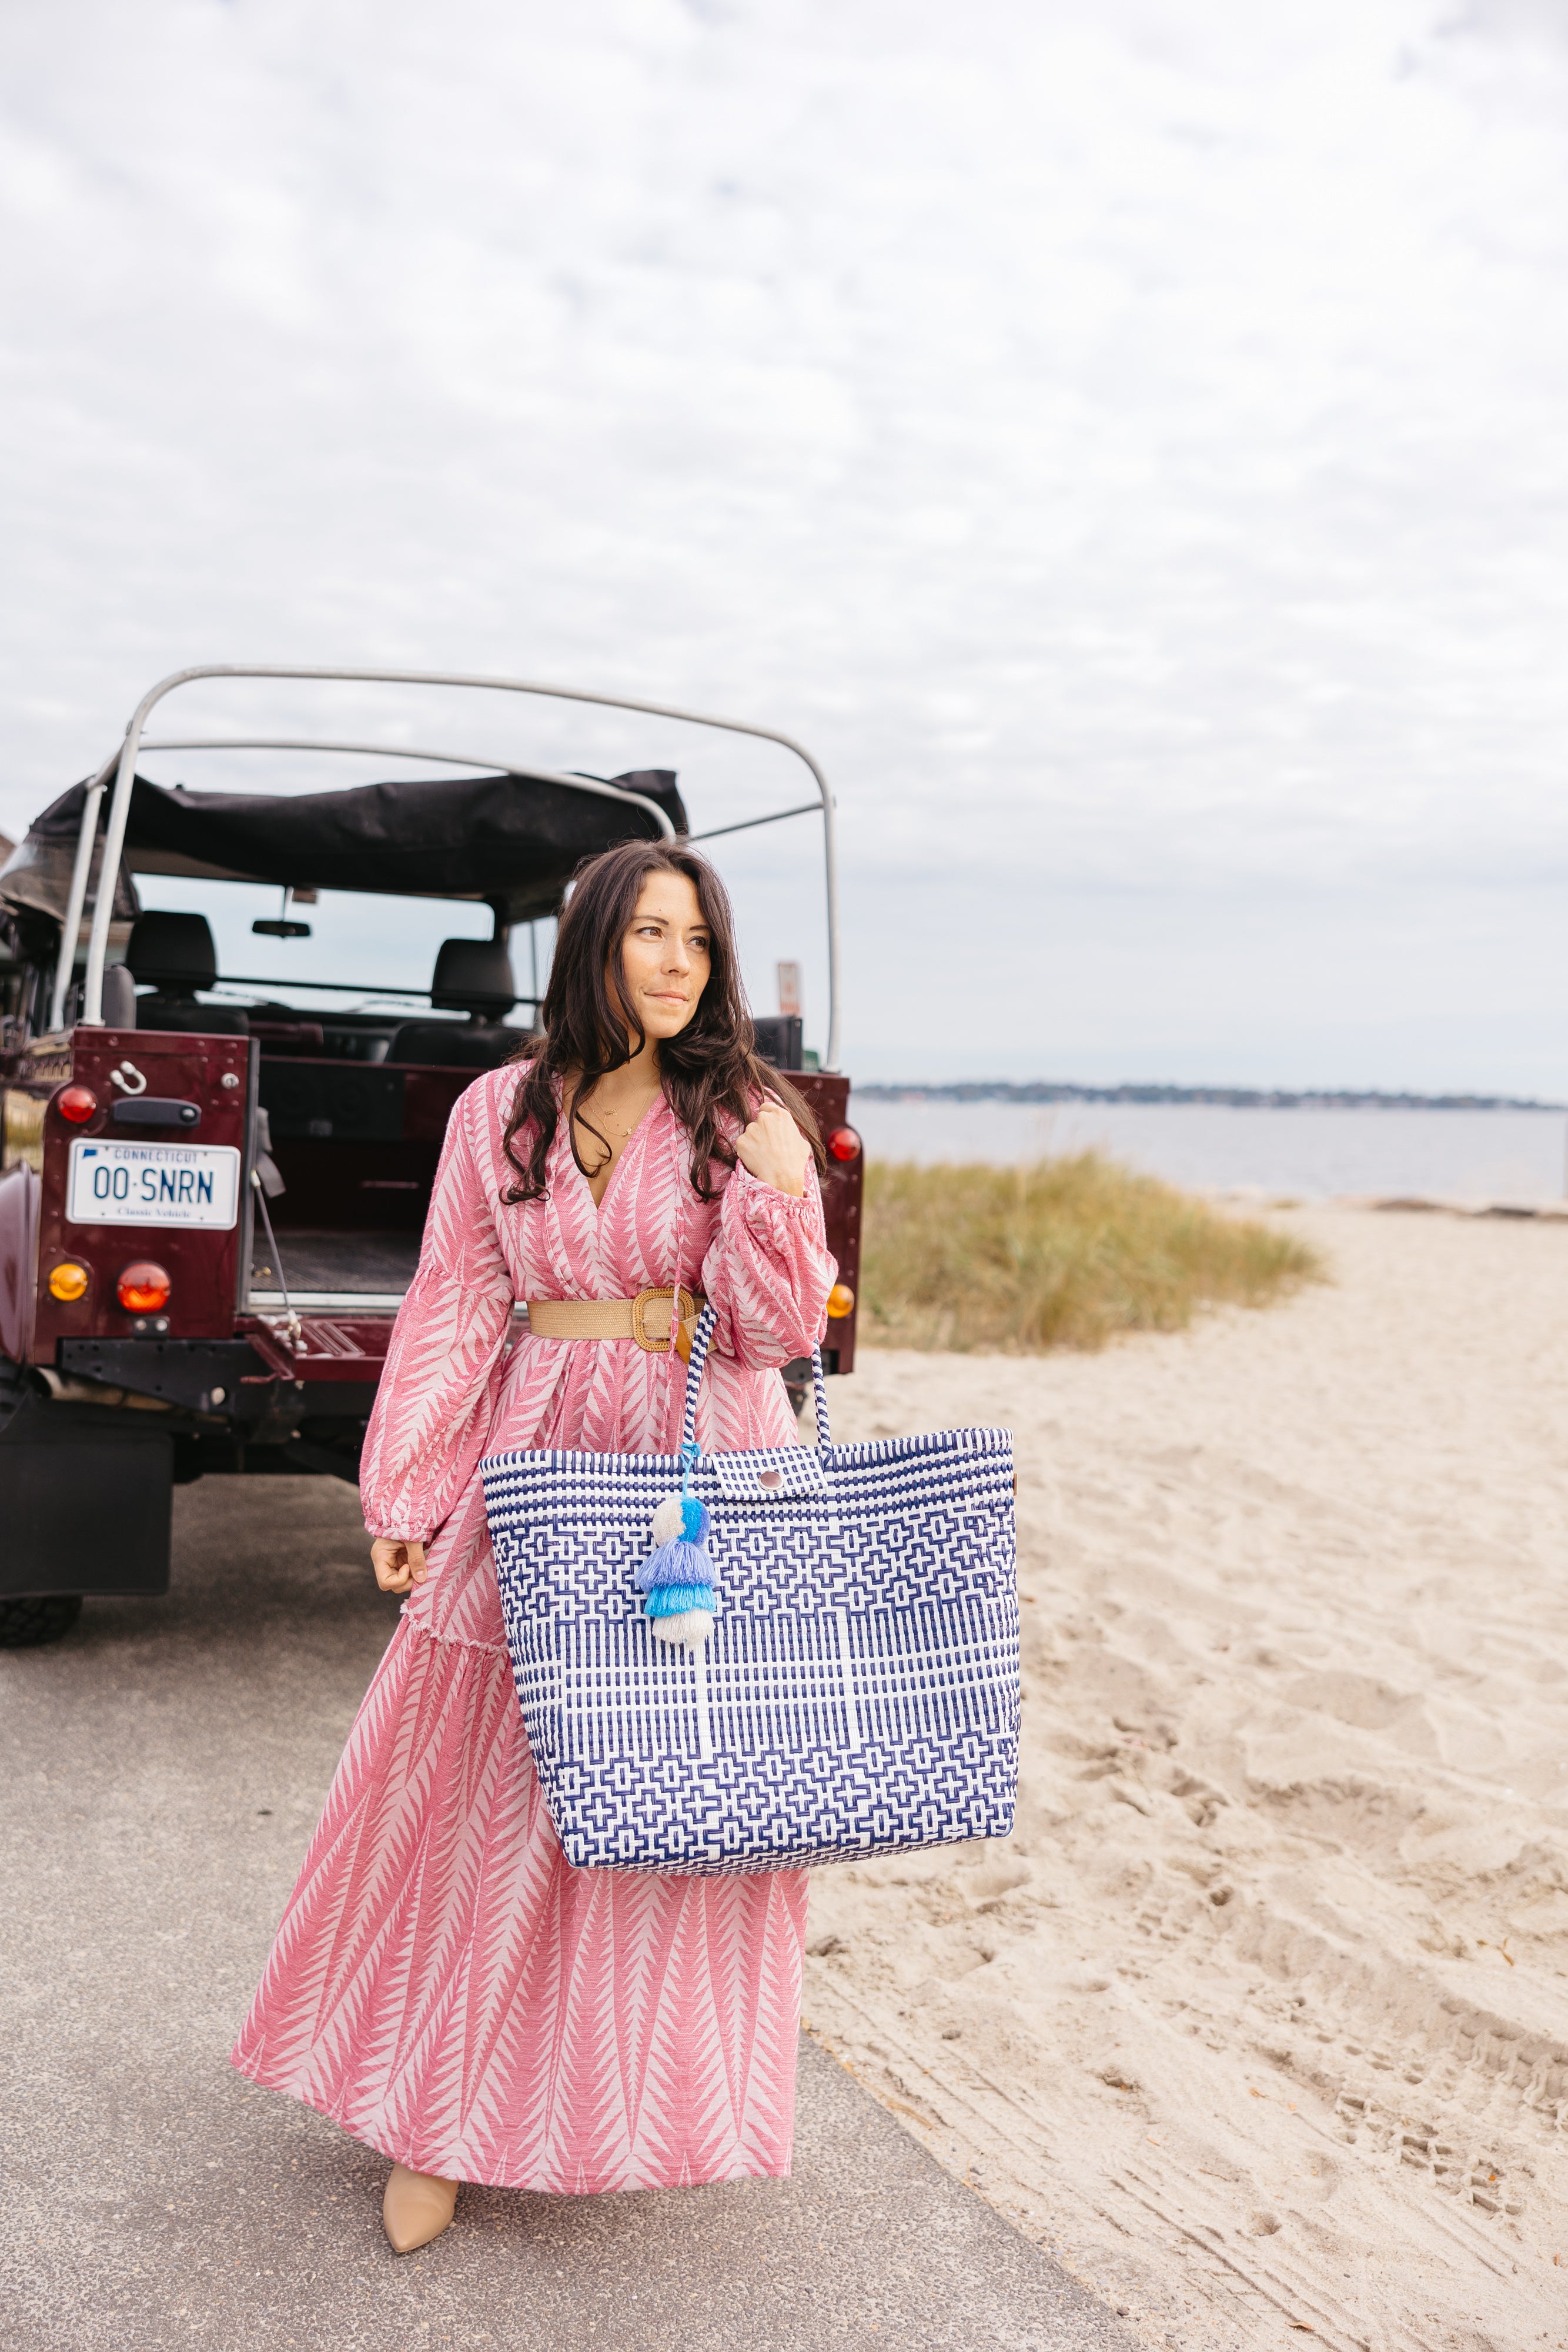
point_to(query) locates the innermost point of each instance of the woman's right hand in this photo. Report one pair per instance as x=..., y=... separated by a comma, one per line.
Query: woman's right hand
x=399, y=1565
x=773, y=1150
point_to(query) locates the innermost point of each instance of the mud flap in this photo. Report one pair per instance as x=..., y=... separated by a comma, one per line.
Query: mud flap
x=85, y=1501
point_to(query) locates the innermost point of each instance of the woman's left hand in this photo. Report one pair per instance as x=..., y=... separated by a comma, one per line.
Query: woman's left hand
x=775, y=1152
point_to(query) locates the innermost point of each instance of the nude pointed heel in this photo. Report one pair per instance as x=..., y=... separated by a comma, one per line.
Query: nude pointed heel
x=417, y=2207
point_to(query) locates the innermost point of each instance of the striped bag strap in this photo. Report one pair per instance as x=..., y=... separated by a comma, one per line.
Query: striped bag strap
x=702, y=1338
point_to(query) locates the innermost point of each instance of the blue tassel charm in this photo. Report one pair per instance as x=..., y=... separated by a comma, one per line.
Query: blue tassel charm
x=675, y=1599
x=678, y=1577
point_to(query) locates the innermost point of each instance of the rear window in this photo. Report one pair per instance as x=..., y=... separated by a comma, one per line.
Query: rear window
x=365, y=949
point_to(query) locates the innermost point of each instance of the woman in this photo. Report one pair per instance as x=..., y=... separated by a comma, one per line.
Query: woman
x=444, y=1985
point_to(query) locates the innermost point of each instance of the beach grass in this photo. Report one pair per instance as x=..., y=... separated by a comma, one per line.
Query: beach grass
x=1069, y=1253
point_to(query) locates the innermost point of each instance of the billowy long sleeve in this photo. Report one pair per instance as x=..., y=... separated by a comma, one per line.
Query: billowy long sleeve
x=436, y=1403
x=768, y=1272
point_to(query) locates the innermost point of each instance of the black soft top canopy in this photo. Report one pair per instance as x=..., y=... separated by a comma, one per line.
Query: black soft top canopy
x=511, y=841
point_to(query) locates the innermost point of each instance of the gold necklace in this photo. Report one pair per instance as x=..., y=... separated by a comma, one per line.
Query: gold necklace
x=580, y=1112
x=626, y=1132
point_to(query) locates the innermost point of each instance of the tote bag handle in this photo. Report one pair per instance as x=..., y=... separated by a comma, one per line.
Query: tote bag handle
x=701, y=1340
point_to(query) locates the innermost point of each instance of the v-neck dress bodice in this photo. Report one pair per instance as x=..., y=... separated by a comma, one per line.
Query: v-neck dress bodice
x=443, y=1984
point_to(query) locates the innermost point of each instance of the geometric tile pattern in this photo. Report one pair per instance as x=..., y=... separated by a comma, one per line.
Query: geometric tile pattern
x=858, y=1694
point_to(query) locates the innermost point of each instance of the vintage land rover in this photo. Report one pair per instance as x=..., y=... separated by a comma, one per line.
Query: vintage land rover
x=211, y=1199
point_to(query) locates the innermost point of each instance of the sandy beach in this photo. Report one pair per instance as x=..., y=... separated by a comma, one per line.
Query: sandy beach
x=1261, y=2019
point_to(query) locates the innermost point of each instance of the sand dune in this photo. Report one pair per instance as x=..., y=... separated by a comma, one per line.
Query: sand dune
x=1261, y=2017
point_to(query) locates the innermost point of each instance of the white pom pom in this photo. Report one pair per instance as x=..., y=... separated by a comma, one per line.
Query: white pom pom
x=688, y=1631
x=666, y=1524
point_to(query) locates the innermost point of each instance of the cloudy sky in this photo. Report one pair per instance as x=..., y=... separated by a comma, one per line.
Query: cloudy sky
x=1125, y=440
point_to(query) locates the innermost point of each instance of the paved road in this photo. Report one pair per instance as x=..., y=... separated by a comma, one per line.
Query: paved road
x=163, y=1769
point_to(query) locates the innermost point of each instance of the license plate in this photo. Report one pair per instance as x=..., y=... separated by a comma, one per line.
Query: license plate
x=153, y=1184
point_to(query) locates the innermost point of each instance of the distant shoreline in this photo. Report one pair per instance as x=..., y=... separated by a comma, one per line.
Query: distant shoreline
x=1047, y=1090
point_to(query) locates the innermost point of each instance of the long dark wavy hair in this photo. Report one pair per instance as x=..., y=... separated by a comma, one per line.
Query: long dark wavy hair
x=711, y=1072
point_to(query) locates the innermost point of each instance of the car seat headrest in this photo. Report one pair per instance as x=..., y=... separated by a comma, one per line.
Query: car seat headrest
x=172, y=951
x=474, y=976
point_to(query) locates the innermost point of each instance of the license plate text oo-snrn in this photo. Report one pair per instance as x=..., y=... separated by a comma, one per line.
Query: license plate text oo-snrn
x=153, y=1184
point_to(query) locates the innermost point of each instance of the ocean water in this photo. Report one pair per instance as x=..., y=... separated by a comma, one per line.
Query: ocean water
x=1305, y=1155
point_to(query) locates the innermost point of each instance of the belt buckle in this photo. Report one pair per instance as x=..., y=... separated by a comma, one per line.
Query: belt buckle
x=639, y=1308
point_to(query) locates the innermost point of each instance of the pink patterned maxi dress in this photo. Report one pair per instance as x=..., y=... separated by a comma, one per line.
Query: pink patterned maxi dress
x=444, y=1985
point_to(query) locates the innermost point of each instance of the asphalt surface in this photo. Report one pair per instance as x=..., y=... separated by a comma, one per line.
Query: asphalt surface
x=163, y=1769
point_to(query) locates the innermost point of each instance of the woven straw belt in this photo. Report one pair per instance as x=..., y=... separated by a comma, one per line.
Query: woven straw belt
x=647, y=1318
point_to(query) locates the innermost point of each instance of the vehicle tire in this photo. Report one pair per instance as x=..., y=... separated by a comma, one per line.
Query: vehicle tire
x=45, y=1617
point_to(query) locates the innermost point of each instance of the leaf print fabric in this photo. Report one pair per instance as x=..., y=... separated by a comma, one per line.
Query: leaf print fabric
x=443, y=1984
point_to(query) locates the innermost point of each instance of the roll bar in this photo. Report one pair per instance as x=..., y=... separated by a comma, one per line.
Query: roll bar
x=77, y=897
x=124, y=762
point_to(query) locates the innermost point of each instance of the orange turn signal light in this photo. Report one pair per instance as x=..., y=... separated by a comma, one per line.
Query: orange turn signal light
x=142, y=1289
x=68, y=1281
x=840, y=1301
x=75, y=1103
x=843, y=1144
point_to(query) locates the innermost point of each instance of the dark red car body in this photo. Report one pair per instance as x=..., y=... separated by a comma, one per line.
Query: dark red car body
x=105, y=1407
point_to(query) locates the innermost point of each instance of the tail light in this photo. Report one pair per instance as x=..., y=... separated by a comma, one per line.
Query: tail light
x=843, y=1144
x=75, y=1103
x=68, y=1281
x=144, y=1288
x=840, y=1301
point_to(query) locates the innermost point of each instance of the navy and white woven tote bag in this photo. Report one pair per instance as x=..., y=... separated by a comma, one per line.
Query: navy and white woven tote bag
x=852, y=1687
